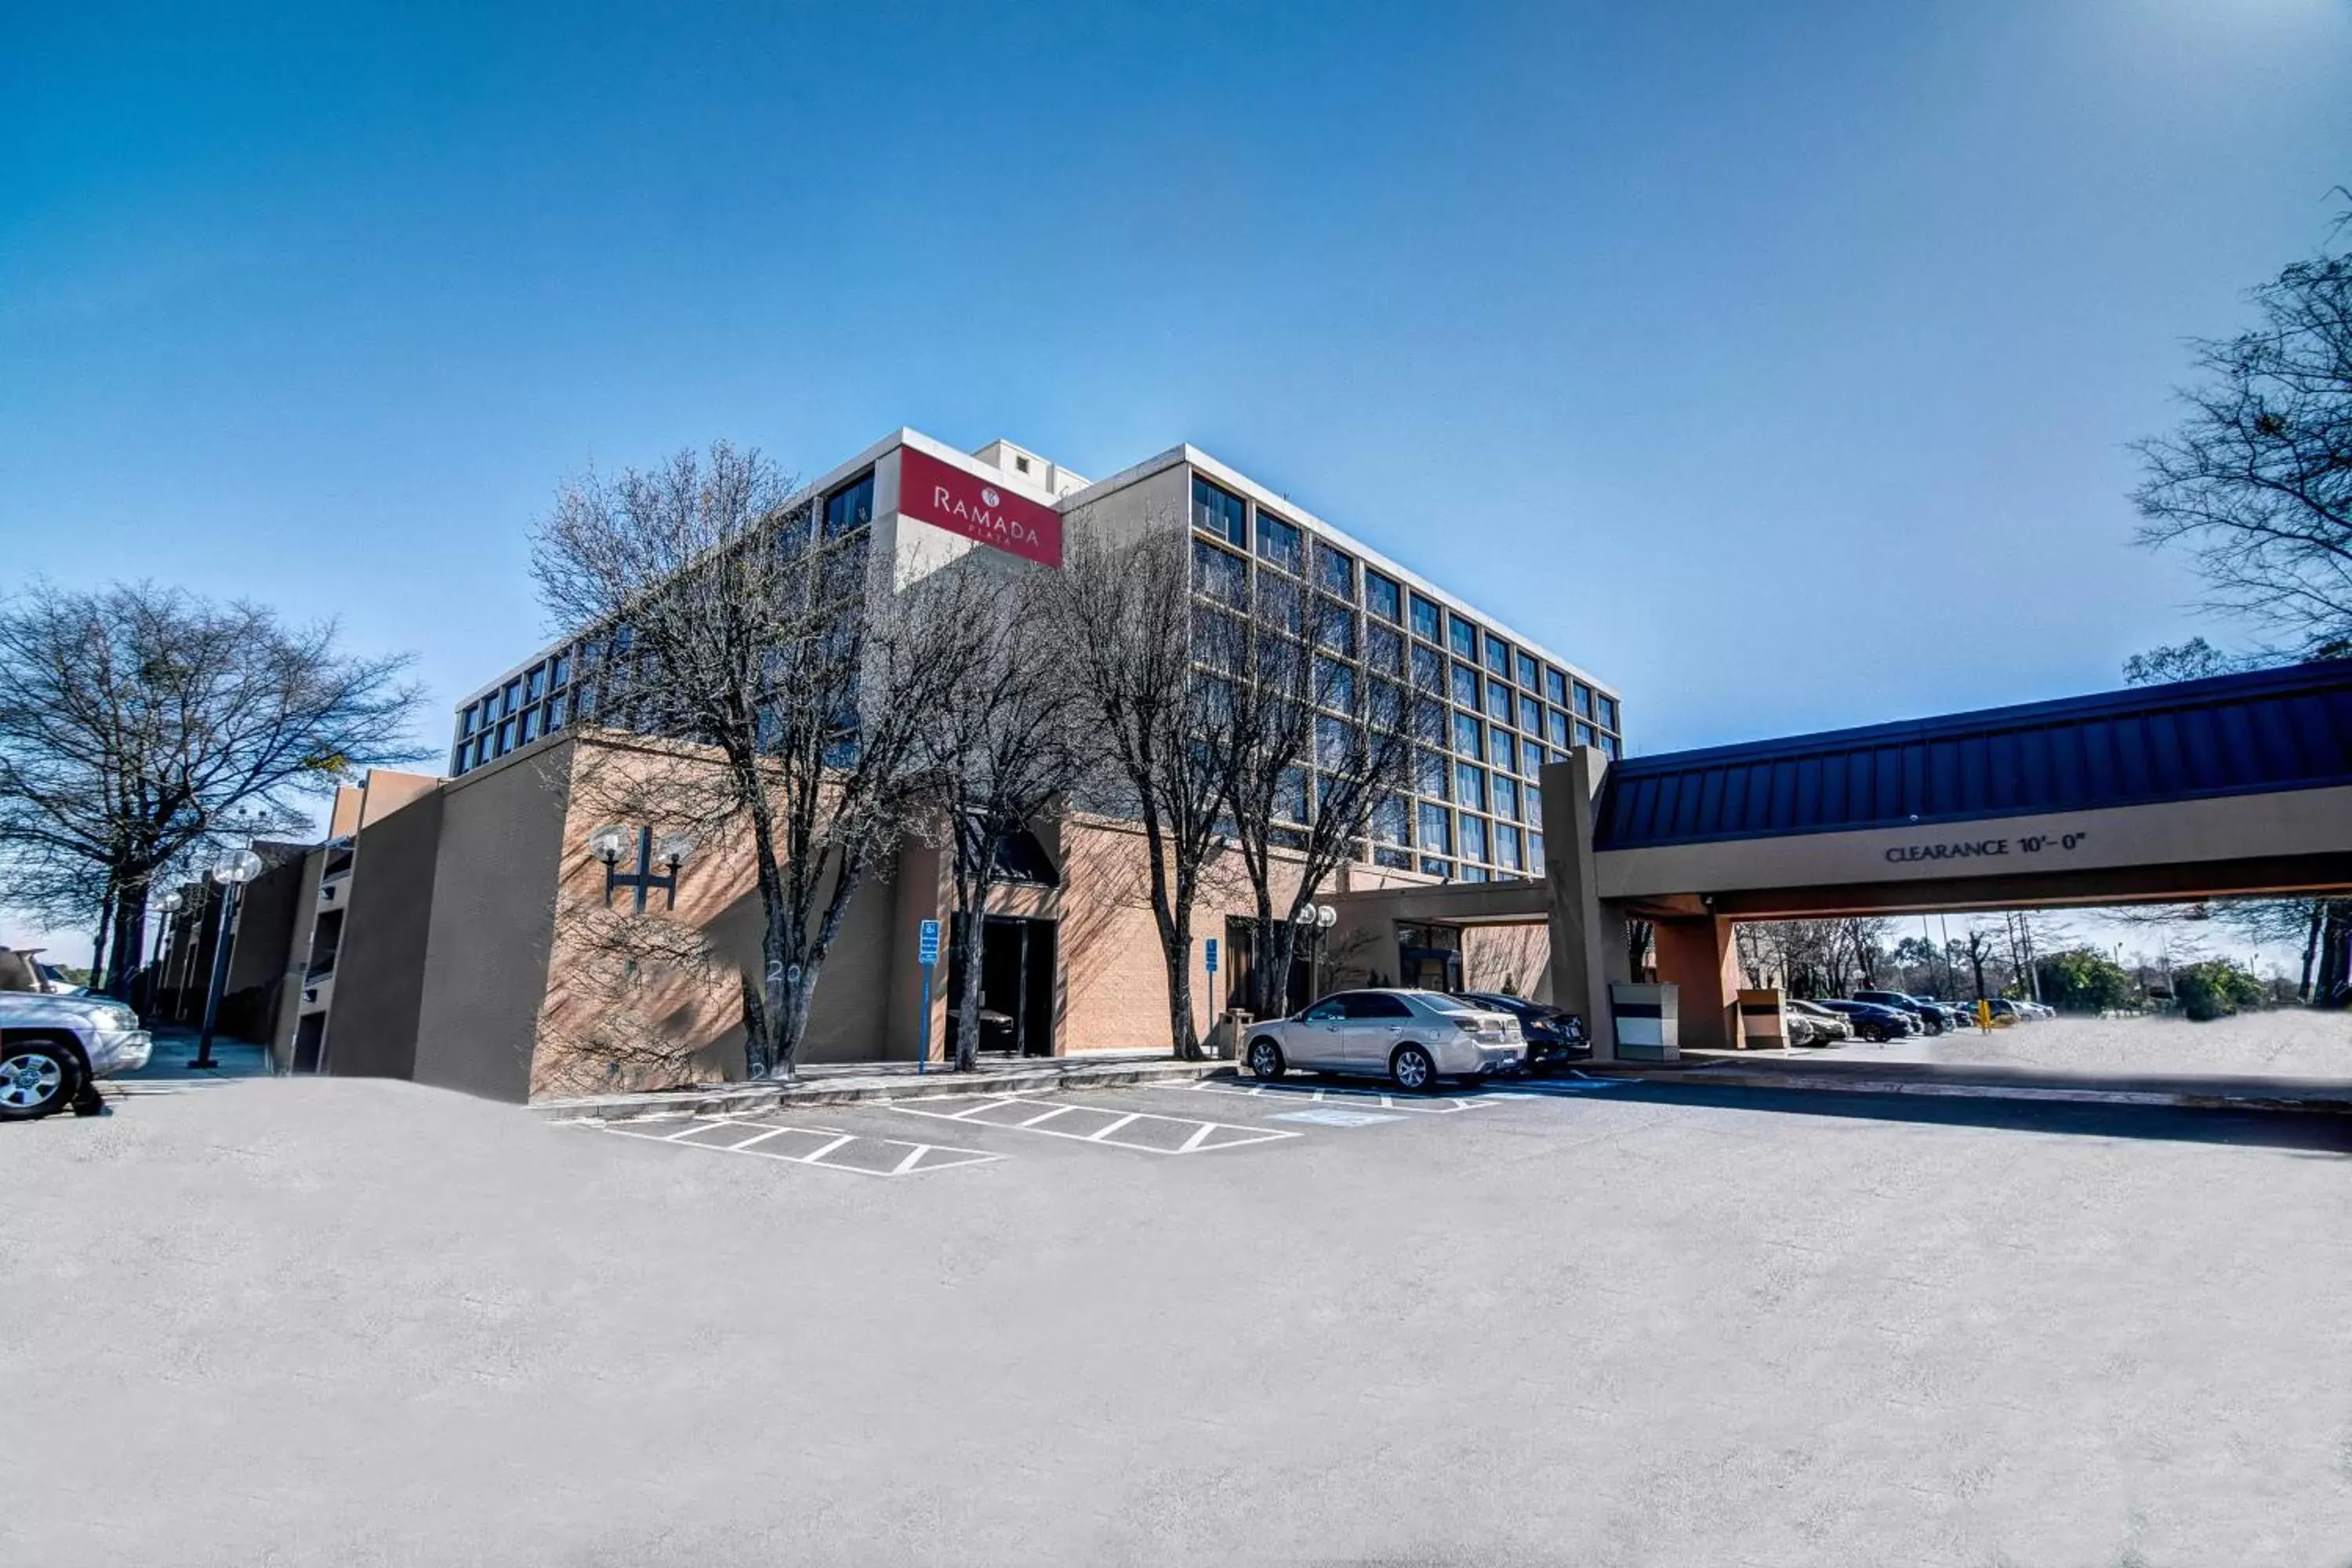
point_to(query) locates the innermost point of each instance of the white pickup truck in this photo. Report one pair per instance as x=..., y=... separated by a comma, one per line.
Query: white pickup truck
x=54, y=1047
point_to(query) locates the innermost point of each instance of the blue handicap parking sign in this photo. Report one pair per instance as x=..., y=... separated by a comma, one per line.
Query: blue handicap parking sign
x=928, y=943
x=1213, y=954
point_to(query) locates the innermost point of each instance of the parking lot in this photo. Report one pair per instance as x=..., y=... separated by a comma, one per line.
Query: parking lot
x=1578, y=1323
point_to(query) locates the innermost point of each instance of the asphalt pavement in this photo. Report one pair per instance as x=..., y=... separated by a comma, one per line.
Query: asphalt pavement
x=289, y=1322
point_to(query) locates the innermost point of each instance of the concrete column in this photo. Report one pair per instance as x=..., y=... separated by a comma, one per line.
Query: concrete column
x=1588, y=938
x=1699, y=955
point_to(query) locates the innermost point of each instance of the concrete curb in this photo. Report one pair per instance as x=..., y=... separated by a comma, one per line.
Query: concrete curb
x=1824, y=1083
x=738, y=1099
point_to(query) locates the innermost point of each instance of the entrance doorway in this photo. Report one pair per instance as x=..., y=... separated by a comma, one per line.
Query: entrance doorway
x=1429, y=956
x=1242, y=963
x=1017, y=986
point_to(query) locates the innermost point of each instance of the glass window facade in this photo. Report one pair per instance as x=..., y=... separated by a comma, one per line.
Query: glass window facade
x=1555, y=688
x=1498, y=656
x=1470, y=786
x=850, y=507
x=1280, y=543
x=1335, y=571
x=1469, y=736
x=1425, y=618
x=1219, y=511
x=1473, y=838
x=1526, y=667
x=1382, y=597
x=1464, y=639
x=1218, y=574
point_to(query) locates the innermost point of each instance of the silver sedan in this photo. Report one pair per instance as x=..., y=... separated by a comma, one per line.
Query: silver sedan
x=1410, y=1038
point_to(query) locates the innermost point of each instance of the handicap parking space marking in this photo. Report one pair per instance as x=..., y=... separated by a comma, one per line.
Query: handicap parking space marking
x=1412, y=1104
x=1079, y=1123
x=796, y=1143
x=1335, y=1116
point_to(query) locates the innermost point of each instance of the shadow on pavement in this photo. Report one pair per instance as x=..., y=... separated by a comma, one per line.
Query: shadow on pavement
x=2318, y=1132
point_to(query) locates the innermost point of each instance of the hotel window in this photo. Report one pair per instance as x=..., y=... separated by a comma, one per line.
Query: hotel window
x=1429, y=720
x=1469, y=736
x=1583, y=700
x=1530, y=715
x=1291, y=796
x=1424, y=618
x=1534, y=798
x=1337, y=743
x=1383, y=650
x=1474, y=838
x=1498, y=656
x=1527, y=671
x=556, y=707
x=1470, y=786
x=1608, y=714
x=1555, y=728
x=1555, y=686
x=1583, y=733
x=1391, y=820
x=1499, y=702
x=1219, y=512
x=1428, y=668
x=1382, y=596
x=1465, y=687
x=1385, y=704
x=1335, y=685
x=1507, y=847
x=513, y=702
x=465, y=720
x=1609, y=745
x=1533, y=759
x=1463, y=637
x=535, y=684
x=1506, y=798
x=1278, y=542
x=1507, y=752
x=1280, y=603
x=1220, y=576
x=1535, y=850
x=1220, y=640
x=529, y=726
x=1278, y=663
x=850, y=506
x=506, y=737
x=1432, y=774
x=1335, y=626
x=1335, y=571
x=561, y=670
x=1436, y=828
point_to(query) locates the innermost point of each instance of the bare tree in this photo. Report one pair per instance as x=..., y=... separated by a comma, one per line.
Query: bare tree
x=2257, y=479
x=1121, y=611
x=1307, y=761
x=786, y=671
x=139, y=724
x=1002, y=745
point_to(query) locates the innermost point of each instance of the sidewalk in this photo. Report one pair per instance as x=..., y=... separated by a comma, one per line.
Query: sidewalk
x=1791, y=1070
x=844, y=1083
x=175, y=1046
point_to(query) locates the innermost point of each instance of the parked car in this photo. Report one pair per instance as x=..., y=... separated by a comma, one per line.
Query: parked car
x=1873, y=1022
x=54, y=1048
x=1929, y=1017
x=1810, y=1023
x=1554, y=1036
x=1411, y=1037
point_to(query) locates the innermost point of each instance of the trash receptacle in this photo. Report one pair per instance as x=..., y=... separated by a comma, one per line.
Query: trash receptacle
x=1225, y=1038
x=1649, y=1022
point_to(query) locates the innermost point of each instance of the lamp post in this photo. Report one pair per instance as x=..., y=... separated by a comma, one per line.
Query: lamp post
x=233, y=873
x=167, y=906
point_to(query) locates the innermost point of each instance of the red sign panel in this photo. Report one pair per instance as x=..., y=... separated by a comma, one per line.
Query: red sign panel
x=947, y=497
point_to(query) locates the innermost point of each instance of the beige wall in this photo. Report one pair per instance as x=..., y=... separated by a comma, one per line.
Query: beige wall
x=494, y=883
x=387, y=924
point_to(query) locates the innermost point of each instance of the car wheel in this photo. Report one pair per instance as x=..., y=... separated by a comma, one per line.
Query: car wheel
x=1414, y=1069
x=1264, y=1059
x=35, y=1079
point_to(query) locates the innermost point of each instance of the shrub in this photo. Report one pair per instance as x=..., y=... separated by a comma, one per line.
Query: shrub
x=2215, y=989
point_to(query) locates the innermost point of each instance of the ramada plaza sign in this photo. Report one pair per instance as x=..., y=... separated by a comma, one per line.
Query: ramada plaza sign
x=947, y=497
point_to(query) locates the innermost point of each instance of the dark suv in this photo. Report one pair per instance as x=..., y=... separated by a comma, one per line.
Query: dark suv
x=1930, y=1017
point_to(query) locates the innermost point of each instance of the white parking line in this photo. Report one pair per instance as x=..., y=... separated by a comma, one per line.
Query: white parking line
x=1424, y=1105
x=1201, y=1137
x=918, y=1158
x=1048, y=1116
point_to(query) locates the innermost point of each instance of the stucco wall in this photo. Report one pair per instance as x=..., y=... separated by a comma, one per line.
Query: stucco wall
x=381, y=967
x=494, y=881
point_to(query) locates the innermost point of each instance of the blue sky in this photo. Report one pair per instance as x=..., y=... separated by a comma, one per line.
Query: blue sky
x=1773, y=361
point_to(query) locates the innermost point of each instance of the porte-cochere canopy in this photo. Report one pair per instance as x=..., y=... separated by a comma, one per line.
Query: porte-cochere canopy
x=2232, y=735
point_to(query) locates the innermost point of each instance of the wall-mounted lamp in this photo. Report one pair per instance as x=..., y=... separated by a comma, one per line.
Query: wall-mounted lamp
x=609, y=844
